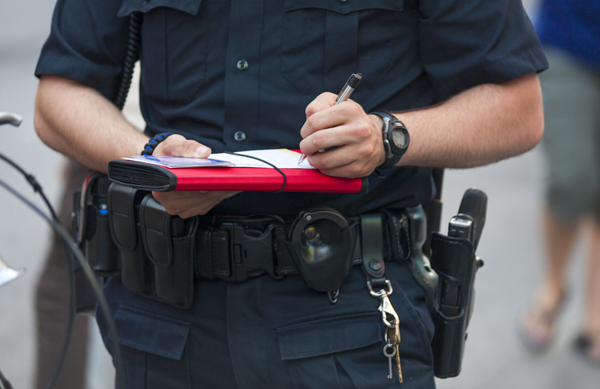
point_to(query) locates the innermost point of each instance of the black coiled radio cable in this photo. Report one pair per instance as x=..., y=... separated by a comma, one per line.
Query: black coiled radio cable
x=133, y=54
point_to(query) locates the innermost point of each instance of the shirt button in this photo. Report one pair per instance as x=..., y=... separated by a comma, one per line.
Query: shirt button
x=242, y=64
x=239, y=136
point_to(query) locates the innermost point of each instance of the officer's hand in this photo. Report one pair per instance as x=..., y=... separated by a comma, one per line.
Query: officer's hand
x=355, y=135
x=187, y=204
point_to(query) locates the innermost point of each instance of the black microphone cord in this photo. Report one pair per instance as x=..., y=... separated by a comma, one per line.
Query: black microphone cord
x=36, y=186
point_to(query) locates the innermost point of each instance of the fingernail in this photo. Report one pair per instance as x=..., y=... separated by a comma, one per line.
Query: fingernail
x=201, y=151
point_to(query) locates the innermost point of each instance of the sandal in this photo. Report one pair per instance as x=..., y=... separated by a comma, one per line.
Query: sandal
x=588, y=345
x=537, y=327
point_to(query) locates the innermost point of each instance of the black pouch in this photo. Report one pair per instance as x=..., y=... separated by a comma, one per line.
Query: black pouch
x=136, y=269
x=90, y=227
x=170, y=247
x=456, y=265
x=322, y=245
x=101, y=253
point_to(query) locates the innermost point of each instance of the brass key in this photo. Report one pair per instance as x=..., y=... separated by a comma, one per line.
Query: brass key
x=398, y=364
x=394, y=339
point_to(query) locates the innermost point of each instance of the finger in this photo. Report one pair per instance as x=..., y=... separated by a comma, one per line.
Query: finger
x=364, y=153
x=336, y=115
x=188, y=204
x=331, y=159
x=178, y=146
x=321, y=102
x=357, y=132
x=351, y=170
x=209, y=202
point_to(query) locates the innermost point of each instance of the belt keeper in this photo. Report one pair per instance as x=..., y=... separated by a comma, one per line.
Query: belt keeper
x=372, y=245
x=212, y=255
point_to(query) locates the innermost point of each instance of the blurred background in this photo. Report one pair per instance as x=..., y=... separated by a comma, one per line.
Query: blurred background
x=510, y=245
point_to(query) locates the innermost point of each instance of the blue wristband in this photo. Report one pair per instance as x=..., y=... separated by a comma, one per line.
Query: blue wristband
x=152, y=143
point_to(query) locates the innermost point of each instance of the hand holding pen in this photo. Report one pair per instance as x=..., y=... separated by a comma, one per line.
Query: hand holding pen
x=344, y=95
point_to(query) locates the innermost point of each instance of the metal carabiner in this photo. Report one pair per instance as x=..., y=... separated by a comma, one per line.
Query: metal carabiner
x=387, y=310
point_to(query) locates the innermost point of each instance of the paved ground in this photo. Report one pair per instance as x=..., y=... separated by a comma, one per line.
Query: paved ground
x=510, y=244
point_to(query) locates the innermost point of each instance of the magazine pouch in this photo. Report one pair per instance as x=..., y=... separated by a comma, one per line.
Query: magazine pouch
x=136, y=269
x=169, y=246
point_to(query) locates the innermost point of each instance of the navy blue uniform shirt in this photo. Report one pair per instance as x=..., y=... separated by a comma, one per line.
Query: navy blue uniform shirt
x=214, y=69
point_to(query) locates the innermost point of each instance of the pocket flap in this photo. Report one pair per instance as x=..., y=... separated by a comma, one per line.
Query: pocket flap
x=121, y=216
x=327, y=336
x=156, y=231
x=128, y=6
x=344, y=7
x=150, y=333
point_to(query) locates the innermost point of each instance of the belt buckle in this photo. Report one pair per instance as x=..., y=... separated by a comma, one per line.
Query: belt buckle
x=251, y=251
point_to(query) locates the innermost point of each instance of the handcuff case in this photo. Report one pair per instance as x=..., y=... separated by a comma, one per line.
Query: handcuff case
x=321, y=242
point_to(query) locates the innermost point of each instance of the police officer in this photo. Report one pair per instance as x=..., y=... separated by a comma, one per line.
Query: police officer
x=243, y=75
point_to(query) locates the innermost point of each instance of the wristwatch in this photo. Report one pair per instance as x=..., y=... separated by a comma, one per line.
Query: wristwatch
x=395, y=139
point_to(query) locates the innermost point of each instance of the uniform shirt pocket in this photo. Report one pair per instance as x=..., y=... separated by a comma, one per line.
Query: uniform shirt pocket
x=153, y=348
x=324, y=41
x=174, y=47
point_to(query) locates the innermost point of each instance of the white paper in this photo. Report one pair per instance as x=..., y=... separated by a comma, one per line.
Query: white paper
x=177, y=162
x=282, y=158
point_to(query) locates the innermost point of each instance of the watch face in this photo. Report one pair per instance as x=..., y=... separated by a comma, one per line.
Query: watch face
x=399, y=137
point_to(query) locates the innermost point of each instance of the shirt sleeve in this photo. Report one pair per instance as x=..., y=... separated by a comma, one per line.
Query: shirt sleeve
x=468, y=43
x=87, y=43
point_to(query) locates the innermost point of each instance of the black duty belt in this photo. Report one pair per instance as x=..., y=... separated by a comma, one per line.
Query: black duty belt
x=160, y=254
x=235, y=249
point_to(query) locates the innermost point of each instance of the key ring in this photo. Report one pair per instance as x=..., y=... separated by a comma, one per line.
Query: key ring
x=387, y=353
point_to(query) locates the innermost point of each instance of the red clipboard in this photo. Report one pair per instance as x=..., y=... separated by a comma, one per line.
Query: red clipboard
x=145, y=176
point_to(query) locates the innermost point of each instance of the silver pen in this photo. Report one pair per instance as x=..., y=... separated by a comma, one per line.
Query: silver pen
x=344, y=95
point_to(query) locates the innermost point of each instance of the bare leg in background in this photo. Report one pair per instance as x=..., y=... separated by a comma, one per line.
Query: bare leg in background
x=538, y=324
x=52, y=304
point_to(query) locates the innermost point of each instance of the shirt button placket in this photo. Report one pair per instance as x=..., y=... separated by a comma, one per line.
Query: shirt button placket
x=242, y=80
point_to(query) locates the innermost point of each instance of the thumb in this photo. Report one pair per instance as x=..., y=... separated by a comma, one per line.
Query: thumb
x=178, y=146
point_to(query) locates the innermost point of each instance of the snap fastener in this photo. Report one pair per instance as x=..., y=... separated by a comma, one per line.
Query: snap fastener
x=242, y=64
x=239, y=136
x=375, y=264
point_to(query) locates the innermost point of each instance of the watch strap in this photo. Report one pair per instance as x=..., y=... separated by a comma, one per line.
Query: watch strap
x=391, y=159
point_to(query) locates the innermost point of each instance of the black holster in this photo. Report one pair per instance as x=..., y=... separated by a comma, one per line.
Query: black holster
x=454, y=261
